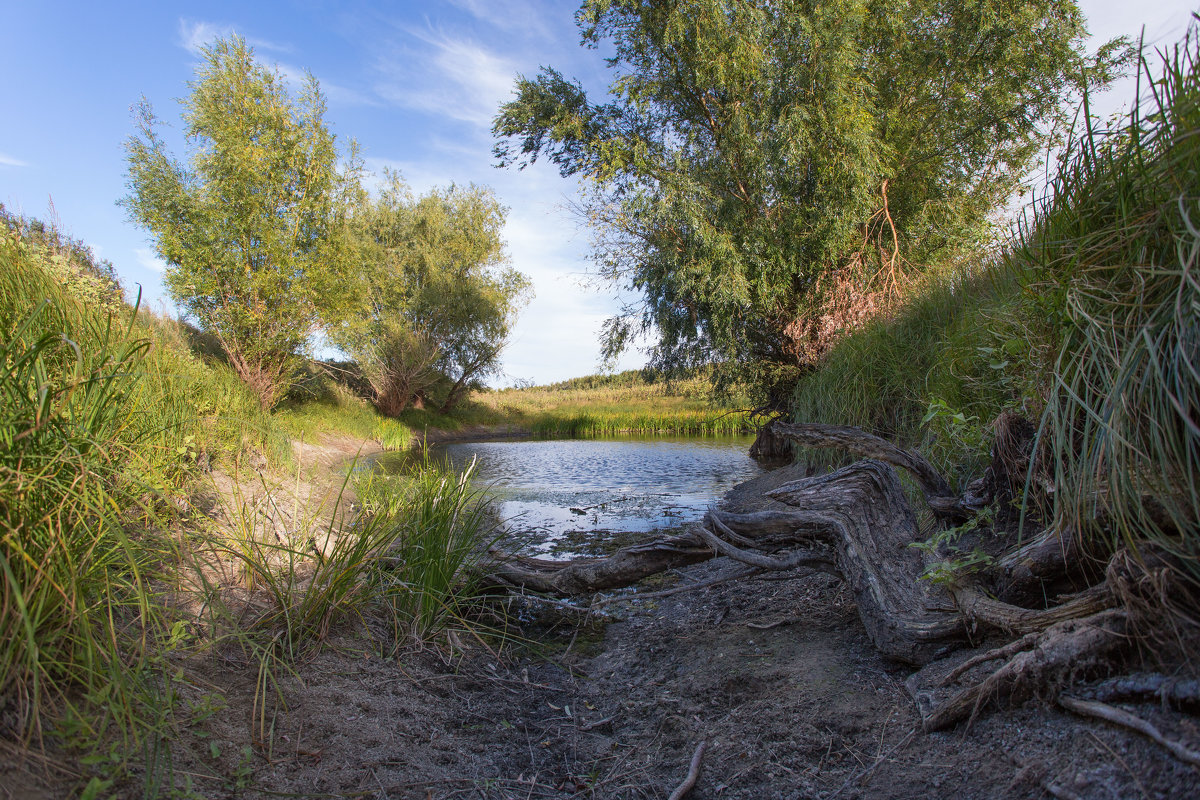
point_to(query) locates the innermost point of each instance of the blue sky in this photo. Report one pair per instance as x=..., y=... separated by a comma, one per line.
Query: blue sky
x=415, y=83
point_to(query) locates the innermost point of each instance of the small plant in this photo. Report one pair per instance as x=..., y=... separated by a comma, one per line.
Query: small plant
x=955, y=563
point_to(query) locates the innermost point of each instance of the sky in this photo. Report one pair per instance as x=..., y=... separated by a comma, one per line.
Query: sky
x=415, y=83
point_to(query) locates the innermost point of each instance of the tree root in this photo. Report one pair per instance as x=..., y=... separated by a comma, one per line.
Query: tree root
x=938, y=494
x=1093, y=708
x=1143, y=686
x=693, y=773
x=1036, y=661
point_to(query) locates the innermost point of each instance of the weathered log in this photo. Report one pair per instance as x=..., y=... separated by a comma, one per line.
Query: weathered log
x=855, y=522
x=937, y=491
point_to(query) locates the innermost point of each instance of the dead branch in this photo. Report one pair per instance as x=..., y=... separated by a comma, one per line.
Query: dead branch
x=1093, y=708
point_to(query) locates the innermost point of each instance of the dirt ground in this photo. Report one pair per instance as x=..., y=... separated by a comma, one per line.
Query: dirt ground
x=775, y=674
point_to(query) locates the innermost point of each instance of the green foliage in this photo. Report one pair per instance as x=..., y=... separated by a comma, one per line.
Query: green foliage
x=1111, y=256
x=73, y=584
x=441, y=300
x=253, y=227
x=755, y=156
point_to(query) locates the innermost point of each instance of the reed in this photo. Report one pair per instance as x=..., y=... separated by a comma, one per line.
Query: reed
x=1113, y=255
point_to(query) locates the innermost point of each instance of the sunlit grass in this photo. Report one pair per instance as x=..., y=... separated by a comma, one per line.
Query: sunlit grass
x=337, y=410
x=583, y=408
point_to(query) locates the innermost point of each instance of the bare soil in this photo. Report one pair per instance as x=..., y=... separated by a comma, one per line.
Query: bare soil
x=775, y=673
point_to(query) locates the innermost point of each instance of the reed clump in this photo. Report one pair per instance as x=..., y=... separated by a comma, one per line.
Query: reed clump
x=1111, y=256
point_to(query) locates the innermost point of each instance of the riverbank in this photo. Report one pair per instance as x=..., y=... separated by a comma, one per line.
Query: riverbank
x=774, y=673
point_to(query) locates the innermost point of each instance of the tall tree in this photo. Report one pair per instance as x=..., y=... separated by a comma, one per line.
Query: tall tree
x=759, y=161
x=442, y=298
x=254, y=227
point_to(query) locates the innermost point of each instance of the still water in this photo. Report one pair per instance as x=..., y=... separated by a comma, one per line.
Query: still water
x=551, y=491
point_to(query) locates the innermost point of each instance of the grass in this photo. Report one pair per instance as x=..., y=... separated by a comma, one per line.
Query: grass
x=108, y=423
x=75, y=600
x=1112, y=255
x=627, y=403
x=332, y=407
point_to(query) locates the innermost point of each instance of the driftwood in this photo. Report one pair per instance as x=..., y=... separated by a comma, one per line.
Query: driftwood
x=856, y=522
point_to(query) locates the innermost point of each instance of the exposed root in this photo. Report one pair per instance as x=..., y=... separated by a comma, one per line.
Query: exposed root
x=687, y=587
x=693, y=773
x=938, y=494
x=1143, y=686
x=1007, y=651
x=1093, y=708
x=978, y=607
x=1065, y=648
x=802, y=558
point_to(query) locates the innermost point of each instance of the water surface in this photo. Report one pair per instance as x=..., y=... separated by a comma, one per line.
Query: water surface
x=548, y=491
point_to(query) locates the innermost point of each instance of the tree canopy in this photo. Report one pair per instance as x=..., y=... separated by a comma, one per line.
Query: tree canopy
x=442, y=298
x=759, y=161
x=253, y=226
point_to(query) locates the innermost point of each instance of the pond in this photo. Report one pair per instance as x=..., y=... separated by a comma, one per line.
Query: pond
x=550, y=493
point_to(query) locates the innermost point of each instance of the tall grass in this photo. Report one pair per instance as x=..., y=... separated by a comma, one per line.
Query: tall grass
x=402, y=565
x=1113, y=253
x=75, y=599
x=439, y=527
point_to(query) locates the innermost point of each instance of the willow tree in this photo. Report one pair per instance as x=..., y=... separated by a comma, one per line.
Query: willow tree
x=253, y=225
x=442, y=298
x=760, y=166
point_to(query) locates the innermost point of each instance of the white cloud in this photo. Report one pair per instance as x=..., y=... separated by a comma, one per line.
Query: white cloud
x=9, y=161
x=194, y=35
x=334, y=93
x=149, y=259
x=512, y=15
x=461, y=78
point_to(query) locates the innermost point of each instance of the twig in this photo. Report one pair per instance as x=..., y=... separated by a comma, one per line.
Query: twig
x=1092, y=708
x=759, y=626
x=693, y=773
x=587, y=726
x=677, y=589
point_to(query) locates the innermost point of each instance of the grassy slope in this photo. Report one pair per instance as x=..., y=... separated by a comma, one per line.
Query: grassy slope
x=1086, y=324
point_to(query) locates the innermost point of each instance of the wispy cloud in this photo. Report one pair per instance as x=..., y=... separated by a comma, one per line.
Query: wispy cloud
x=149, y=259
x=334, y=93
x=458, y=78
x=9, y=161
x=194, y=35
x=514, y=15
